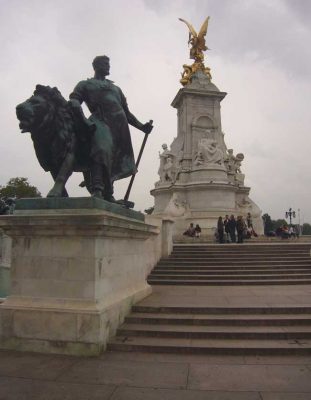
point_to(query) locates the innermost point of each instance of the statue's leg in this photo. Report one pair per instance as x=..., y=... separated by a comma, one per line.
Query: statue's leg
x=87, y=181
x=63, y=174
x=54, y=175
x=108, y=184
x=97, y=183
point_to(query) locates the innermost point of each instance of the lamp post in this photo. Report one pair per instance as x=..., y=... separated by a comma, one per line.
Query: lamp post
x=300, y=228
x=290, y=214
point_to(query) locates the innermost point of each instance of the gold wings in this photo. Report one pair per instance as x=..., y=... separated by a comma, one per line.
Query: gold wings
x=197, y=40
x=192, y=31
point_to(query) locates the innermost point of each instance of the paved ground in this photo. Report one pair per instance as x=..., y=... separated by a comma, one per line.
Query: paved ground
x=142, y=376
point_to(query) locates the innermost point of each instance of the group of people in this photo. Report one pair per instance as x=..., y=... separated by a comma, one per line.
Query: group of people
x=231, y=229
x=286, y=232
x=193, y=231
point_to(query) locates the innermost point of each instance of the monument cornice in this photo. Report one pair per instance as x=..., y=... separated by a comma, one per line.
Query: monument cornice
x=197, y=92
x=197, y=185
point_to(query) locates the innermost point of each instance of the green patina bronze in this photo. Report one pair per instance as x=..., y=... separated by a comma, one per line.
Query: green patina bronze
x=65, y=141
x=76, y=203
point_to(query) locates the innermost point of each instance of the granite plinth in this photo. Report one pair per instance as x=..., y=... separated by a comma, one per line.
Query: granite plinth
x=66, y=204
x=74, y=274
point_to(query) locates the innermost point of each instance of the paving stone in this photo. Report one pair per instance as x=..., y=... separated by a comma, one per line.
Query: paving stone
x=285, y=396
x=169, y=358
x=278, y=360
x=128, y=373
x=287, y=378
x=26, y=389
x=166, y=394
x=32, y=365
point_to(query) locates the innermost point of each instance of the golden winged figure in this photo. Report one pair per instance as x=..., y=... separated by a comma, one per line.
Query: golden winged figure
x=197, y=41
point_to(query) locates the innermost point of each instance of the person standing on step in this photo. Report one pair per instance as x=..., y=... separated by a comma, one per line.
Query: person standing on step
x=220, y=229
x=226, y=220
x=240, y=227
x=232, y=227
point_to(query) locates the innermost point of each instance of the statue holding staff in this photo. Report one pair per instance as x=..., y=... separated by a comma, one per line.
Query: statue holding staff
x=111, y=151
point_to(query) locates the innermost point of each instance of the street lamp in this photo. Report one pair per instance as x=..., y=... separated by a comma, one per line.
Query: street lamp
x=290, y=214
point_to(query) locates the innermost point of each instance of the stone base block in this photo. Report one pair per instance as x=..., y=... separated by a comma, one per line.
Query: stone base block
x=75, y=273
x=71, y=329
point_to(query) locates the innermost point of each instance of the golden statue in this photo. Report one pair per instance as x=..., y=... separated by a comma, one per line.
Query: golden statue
x=198, y=45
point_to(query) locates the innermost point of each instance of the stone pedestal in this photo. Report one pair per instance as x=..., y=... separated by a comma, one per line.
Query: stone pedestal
x=77, y=267
x=5, y=264
x=200, y=179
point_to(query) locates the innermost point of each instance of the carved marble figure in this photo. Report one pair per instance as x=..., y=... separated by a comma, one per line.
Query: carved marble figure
x=167, y=165
x=233, y=163
x=208, y=152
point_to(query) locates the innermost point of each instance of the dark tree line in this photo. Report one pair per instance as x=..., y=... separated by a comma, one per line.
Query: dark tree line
x=272, y=225
x=18, y=188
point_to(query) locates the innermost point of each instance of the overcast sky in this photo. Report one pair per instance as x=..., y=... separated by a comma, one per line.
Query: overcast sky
x=260, y=55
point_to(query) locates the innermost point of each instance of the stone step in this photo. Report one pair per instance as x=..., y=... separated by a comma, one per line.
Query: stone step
x=237, y=247
x=228, y=282
x=243, y=247
x=211, y=332
x=236, y=271
x=237, y=258
x=242, y=254
x=244, y=265
x=213, y=310
x=165, y=267
x=211, y=346
x=235, y=276
x=301, y=255
x=250, y=243
x=231, y=262
x=202, y=254
x=220, y=319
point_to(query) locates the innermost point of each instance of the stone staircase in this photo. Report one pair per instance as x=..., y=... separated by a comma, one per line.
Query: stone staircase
x=271, y=322
x=249, y=264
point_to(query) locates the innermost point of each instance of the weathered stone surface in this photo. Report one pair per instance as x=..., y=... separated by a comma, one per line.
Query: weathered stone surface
x=74, y=203
x=171, y=394
x=75, y=277
x=200, y=178
x=255, y=378
x=165, y=375
x=25, y=389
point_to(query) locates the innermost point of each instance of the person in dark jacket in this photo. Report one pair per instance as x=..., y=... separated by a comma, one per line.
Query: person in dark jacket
x=240, y=227
x=220, y=229
x=227, y=235
x=197, y=231
x=232, y=227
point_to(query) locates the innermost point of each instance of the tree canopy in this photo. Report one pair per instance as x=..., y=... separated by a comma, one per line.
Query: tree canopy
x=306, y=229
x=20, y=188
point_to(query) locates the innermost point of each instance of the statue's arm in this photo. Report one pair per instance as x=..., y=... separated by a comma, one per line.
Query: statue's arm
x=76, y=98
x=83, y=125
x=132, y=120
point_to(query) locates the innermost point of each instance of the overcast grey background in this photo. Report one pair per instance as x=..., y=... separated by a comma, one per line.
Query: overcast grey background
x=260, y=55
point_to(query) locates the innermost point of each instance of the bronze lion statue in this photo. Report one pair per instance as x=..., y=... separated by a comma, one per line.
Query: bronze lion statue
x=60, y=136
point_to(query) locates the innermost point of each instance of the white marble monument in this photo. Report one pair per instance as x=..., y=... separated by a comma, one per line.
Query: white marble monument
x=200, y=178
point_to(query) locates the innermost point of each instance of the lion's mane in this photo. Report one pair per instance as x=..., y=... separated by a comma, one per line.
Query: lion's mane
x=54, y=138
